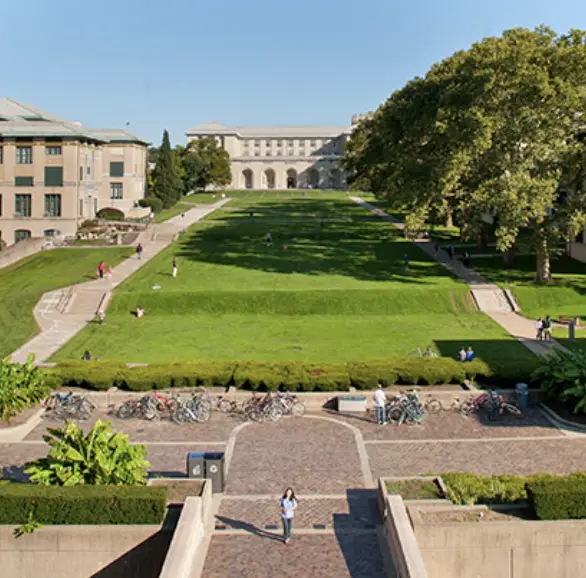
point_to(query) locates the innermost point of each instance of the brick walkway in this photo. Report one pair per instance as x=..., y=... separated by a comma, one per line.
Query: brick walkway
x=336, y=524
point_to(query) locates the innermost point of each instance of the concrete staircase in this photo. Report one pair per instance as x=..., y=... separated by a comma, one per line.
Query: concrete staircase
x=491, y=299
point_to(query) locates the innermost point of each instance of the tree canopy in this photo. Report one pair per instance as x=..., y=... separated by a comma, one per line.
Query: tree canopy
x=205, y=164
x=489, y=134
x=165, y=179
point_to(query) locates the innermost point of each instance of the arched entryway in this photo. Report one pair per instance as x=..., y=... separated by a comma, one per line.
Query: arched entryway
x=313, y=178
x=247, y=179
x=270, y=178
x=21, y=235
x=291, y=179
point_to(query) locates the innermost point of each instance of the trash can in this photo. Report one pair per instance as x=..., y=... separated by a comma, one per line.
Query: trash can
x=195, y=465
x=572, y=330
x=214, y=468
x=522, y=392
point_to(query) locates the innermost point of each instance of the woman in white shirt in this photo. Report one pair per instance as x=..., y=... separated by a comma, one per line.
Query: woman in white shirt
x=288, y=503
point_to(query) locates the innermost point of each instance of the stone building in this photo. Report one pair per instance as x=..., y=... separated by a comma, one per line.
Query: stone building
x=55, y=173
x=281, y=157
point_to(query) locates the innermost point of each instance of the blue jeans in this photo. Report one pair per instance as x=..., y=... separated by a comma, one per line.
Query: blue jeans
x=287, y=527
x=380, y=415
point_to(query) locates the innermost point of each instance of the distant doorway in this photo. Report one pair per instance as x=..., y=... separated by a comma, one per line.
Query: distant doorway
x=247, y=179
x=270, y=178
x=291, y=179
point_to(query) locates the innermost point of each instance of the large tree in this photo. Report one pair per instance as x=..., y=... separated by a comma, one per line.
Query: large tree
x=489, y=133
x=205, y=164
x=166, y=182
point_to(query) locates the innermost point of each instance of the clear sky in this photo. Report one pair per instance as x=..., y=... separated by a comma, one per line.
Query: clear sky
x=174, y=64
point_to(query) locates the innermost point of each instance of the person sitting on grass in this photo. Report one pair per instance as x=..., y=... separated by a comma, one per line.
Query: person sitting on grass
x=269, y=239
x=470, y=354
x=86, y=356
x=139, y=312
x=429, y=352
x=462, y=354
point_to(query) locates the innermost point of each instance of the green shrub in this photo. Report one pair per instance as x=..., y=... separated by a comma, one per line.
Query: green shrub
x=110, y=214
x=508, y=372
x=82, y=504
x=99, y=375
x=558, y=499
x=325, y=377
x=153, y=202
x=22, y=385
x=366, y=375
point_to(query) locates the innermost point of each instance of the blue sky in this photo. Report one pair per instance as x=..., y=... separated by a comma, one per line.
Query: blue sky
x=176, y=64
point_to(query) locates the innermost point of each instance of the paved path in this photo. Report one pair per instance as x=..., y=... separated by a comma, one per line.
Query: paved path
x=490, y=298
x=63, y=313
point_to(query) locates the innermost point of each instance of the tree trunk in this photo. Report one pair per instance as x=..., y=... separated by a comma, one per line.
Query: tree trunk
x=450, y=218
x=543, y=259
x=509, y=256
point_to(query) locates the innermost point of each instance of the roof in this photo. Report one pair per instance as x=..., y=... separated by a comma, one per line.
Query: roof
x=216, y=128
x=23, y=120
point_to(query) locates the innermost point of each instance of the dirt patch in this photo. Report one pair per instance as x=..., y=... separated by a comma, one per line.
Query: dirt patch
x=415, y=489
x=21, y=418
x=465, y=515
x=180, y=490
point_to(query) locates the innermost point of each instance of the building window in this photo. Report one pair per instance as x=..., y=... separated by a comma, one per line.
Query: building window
x=52, y=205
x=0, y=206
x=53, y=176
x=116, y=169
x=24, y=155
x=53, y=151
x=21, y=235
x=115, y=190
x=81, y=207
x=95, y=206
x=312, y=144
x=23, y=181
x=51, y=233
x=81, y=173
x=22, y=205
x=1, y=155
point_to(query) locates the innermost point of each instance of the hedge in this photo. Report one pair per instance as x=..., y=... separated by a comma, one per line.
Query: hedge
x=91, y=505
x=263, y=376
x=558, y=499
x=153, y=202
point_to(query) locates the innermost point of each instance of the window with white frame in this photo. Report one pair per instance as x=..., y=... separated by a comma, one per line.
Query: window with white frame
x=24, y=155
x=53, y=151
x=115, y=190
x=52, y=205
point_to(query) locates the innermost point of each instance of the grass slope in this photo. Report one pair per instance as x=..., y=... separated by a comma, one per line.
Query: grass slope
x=332, y=287
x=23, y=283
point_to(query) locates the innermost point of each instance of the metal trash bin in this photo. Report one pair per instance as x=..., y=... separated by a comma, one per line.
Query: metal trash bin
x=214, y=467
x=522, y=393
x=195, y=465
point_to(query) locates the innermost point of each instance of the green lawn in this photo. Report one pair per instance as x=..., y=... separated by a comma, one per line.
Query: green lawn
x=22, y=284
x=332, y=291
x=171, y=212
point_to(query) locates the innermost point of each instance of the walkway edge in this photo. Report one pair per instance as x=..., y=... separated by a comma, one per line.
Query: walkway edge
x=17, y=433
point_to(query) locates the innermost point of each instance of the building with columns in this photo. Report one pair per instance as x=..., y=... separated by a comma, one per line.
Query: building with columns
x=56, y=173
x=281, y=157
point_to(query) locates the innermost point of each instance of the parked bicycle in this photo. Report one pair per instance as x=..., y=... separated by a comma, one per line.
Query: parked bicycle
x=216, y=402
x=146, y=407
x=405, y=408
x=497, y=405
x=68, y=406
x=192, y=409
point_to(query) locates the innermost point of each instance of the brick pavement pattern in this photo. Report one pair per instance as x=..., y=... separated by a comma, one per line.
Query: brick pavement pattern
x=311, y=455
x=307, y=556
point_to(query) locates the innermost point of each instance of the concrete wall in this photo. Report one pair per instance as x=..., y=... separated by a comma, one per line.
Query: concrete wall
x=21, y=250
x=188, y=547
x=503, y=549
x=577, y=251
x=83, y=551
x=402, y=545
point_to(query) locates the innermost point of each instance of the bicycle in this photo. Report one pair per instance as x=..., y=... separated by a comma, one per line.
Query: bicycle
x=405, y=408
x=191, y=410
x=68, y=406
x=497, y=405
x=144, y=408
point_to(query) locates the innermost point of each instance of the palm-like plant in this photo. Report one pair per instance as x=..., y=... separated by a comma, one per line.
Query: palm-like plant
x=99, y=458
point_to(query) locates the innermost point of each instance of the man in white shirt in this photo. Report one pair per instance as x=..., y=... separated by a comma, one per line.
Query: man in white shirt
x=379, y=405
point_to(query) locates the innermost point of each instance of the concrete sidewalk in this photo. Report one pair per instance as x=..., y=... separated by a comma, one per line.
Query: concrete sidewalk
x=63, y=313
x=490, y=298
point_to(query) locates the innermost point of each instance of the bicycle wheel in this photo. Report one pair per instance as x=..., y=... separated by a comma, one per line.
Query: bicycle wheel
x=513, y=409
x=273, y=413
x=202, y=413
x=51, y=402
x=433, y=406
x=181, y=416
x=125, y=411
x=298, y=409
x=86, y=405
x=225, y=406
x=255, y=413
x=395, y=415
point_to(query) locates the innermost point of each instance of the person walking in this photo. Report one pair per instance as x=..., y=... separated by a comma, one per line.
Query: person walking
x=101, y=317
x=139, y=251
x=436, y=248
x=174, y=267
x=547, y=328
x=539, y=329
x=406, y=261
x=451, y=251
x=380, y=399
x=101, y=268
x=269, y=239
x=110, y=272
x=288, y=504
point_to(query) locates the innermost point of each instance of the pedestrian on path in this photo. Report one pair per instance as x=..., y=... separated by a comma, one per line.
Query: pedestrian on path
x=451, y=251
x=547, y=328
x=101, y=268
x=288, y=504
x=110, y=272
x=380, y=399
x=101, y=317
x=406, y=261
x=466, y=259
x=436, y=248
x=174, y=267
x=539, y=329
x=139, y=251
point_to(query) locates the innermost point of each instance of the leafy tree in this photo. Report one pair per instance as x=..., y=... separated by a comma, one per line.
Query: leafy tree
x=488, y=134
x=21, y=385
x=206, y=164
x=99, y=458
x=166, y=183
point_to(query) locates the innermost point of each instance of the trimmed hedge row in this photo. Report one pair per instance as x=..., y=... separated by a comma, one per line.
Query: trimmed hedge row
x=51, y=505
x=559, y=499
x=295, y=376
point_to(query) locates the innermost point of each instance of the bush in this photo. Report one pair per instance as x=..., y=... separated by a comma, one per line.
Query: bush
x=558, y=499
x=153, y=202
x=22, y=385
x=264, y=376
x=110, y=214
x=82, y=504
